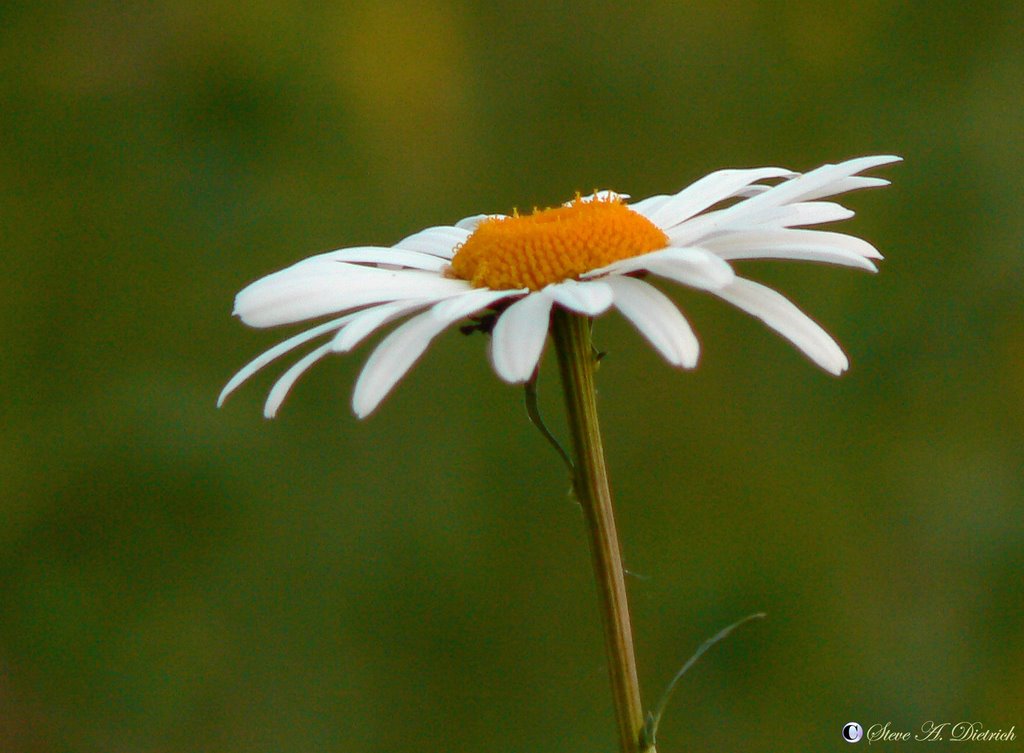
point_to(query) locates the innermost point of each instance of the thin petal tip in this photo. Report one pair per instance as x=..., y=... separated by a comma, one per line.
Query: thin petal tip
x=884, y=159
x=838, y=368
x=361, y=410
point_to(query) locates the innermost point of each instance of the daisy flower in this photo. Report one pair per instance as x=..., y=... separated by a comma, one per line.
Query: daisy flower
x=588, y=256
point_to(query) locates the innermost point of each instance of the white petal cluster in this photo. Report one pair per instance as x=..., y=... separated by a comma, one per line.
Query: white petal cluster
x=371, y=287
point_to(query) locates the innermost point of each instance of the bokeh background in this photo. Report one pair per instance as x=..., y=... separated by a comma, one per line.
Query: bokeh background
x=174, y=578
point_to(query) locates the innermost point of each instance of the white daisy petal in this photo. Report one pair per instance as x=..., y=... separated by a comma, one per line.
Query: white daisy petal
x=306, y=292
x=807, y=213
x=518, y=337
x=823, y=254
x=587, y=298
x=809, y=245
x=438, y=241
x=374, y=255
x=692, y=266
x=657, y=319
x=744, y=215
x=695, y=267
x=283, y=385
x=816, y=183
x=713, y=224
x=364, y=323
x=781, y=315
x=402, y=348
x=476, y=299
x=707, y=192
x=650, y=205
x=392, y=358
x=845, y=185
x=276, y=352
x=828, y=177
x=696, y=231
x=700, y=230
x=841, y=171
x=754, y=190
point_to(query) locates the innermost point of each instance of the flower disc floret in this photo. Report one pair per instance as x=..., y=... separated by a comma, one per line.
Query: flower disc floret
x=551, y=245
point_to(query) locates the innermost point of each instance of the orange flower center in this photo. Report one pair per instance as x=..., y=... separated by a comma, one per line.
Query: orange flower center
x=550, y=245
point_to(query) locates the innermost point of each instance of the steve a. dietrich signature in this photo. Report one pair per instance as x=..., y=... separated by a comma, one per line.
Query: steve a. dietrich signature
x=940, y=731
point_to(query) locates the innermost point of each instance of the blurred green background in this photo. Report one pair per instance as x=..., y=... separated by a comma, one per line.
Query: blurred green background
x=175, y=578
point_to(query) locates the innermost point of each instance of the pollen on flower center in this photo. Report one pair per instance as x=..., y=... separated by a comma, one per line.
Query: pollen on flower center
x=550, y=245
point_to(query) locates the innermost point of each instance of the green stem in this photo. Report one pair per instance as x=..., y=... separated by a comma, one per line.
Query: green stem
x=575, y=358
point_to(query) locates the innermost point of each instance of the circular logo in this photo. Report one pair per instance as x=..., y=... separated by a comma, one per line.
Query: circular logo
x=852, y=732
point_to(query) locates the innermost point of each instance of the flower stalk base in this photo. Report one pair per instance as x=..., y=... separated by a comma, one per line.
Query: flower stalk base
x=576, y=360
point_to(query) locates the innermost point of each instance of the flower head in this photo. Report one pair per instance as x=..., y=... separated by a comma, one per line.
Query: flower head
x=588, y=256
